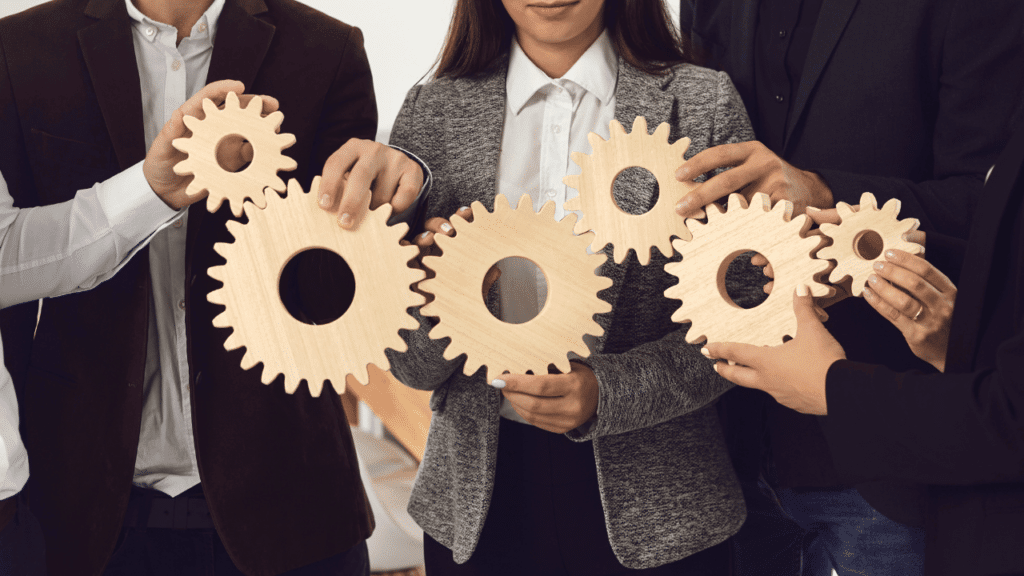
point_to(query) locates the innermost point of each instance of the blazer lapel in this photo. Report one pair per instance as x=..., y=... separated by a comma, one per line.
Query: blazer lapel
x=832, y=20
x=741, y=45
x=109, y=54
x=981, y=251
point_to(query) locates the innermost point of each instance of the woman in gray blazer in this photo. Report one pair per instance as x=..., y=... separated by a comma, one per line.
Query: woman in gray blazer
x=637, y=476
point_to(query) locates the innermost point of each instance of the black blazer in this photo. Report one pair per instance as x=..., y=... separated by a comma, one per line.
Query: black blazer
x=911, y=100
x=279, y=471
x=962, y=432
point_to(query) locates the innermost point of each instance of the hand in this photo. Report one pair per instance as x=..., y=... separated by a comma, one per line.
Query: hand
x=425, y=242
x=162, y=156
x=364, y=169
x=793, y=373
x=553, y=402
x=755, y=169
x=917, y=299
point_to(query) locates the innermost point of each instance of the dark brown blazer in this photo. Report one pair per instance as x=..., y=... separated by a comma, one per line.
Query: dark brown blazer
x=279, y=471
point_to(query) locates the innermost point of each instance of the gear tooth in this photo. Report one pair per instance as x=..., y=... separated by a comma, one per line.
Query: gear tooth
x=339, y=386
x=184, y=168
x=255, y=106
x=572, y=182
x=191, y=122
x=681, y=146
x=662, y=132
x=286, y=141
x=290, y=384
x=867, y=200
x=828, y=229
x=182, y=145
x=525, y=203
x=643, y=256
x=233, y=341
x=209, y=108
x=844, y=210
x=236, y=207
x=573, y=204
x=615, y=129
x=640, y=126
x=579, y=158
x=213, y=203
x=194, y=188
x=316, y=387
x=714, y=212
x=548, y=209
x=274, y=120
x=736, y=202
x=596, y=141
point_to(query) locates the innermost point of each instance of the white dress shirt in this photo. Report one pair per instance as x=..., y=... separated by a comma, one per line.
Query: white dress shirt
x=545, y=120
x=169, y=74
x=67, y=247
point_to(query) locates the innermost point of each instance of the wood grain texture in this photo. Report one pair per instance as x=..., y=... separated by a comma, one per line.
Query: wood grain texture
x=610, y=224
x=567, y=314
x=219, y=124
x=850, y=262
x=404, y=411
x=261, y=323
x=706, y=257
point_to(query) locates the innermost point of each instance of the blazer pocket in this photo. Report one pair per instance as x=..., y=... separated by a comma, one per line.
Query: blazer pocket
x=62, y=166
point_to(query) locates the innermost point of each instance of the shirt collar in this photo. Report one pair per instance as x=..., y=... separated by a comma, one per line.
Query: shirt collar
x=205, y=27
x=595, y=71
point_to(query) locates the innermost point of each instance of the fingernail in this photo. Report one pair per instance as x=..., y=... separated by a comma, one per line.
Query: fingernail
x=463, y=209
x=878, y=266
x=424, y=235
x=731, y=363
x=446, y=228
x=345, y=221
x=705, y=352
x=890, y=254
x=683, y=206
x=813, y=209
x=868, y=294
x=325, y=200
x=873, y=279
x=801, y=290
x=499, y=384
x=715, y=366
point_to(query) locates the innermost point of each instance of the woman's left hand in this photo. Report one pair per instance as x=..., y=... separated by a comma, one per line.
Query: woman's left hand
x=793, y=373
x=917, y=299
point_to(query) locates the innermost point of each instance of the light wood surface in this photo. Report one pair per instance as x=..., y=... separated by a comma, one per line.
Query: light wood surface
x=567, y=314
x=262, y=324
x=219, y=124
x=743, y=228
x=850, y=263
x=404, y=411
x=595, y=183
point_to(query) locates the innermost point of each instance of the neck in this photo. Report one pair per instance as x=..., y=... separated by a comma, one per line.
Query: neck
x=556, y=59
x=182, y=14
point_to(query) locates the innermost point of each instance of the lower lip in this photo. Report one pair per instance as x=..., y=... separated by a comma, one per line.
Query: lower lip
x=554, y=10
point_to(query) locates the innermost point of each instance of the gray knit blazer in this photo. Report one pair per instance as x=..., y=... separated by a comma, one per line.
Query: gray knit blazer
x=667, y=486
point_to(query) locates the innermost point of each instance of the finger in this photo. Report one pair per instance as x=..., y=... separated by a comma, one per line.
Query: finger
x=357, y=193
x=440, y=225
x=714, y=158
x=887, y=311
x=718, y=187
x=822, y=315
x=409, y=185
x=335, y=172
x=769, y=271
x=921, y=267
x=544, y=385
x=739, y=375
x=758, y=260
x=466, y=213
x=916, y=236
x=384, y=185
x=807, y=320
x=819, y=217
x=768, y=287
x=903, y=288
x=733, y=353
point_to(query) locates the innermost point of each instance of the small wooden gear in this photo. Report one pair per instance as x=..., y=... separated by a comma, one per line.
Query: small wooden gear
x=641, y=232
x=270, y=334
x=852, y=228
x=567, y=314
x=742, y=228
x=219, y=124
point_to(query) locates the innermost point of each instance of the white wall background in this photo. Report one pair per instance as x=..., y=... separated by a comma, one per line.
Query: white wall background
x=403, y=39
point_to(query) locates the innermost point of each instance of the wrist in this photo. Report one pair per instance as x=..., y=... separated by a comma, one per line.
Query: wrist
x=821, y=192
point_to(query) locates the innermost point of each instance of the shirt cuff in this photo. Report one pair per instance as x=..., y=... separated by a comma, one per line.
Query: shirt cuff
x=133, y=209
x=411, y=214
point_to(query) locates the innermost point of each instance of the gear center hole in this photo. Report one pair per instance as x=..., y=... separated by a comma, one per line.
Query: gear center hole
x=324, y=299
x=868, y=245
x=234, y=153
x=634, y=178
x=742, y=283
x=522, y=289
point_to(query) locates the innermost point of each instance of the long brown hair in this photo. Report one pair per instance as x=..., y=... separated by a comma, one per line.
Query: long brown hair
x=641, y=31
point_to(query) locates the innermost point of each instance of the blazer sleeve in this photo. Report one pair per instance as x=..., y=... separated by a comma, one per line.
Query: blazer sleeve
x=660, y=380
x=980, y=95
x=423, y=366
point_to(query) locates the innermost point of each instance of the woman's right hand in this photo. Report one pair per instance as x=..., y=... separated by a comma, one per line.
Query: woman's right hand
x=425, y=242
x=918, y=299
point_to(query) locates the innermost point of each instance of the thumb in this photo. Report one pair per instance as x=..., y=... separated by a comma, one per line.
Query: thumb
x=803, y=306
x=819, y=217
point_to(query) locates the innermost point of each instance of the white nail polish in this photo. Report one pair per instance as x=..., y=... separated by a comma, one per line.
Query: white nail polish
x=499, y=384
x=705, y=352
x=446, y=227
x=801, y=290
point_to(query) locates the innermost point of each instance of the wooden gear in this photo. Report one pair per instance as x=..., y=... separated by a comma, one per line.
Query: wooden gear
x=706, y=257
x=854, y=225
x=572, y=297
x=255, y=261
x=207, y=135
x=637, y=232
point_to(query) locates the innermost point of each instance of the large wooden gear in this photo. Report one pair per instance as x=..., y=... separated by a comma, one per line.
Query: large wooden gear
x=641, y=232
x=567, y=314
x=852, y=228
x=706, y=257
x=219, y=124
x=261, y=323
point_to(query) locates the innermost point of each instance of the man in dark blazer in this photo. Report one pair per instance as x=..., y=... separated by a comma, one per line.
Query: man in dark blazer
x=907, y=100
x=278, y=472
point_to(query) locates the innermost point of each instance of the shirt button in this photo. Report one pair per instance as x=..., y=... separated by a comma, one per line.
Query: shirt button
x=177, y=224
x=779, y=97
x=176, y=65
x=150, y=31
x=782, y=33
x=181, y=303
x=551, y=192
x=556, y=129
x=202, y=26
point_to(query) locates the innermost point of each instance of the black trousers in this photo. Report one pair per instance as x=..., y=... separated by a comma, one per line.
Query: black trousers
x=546, y=517
x=22, y=552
